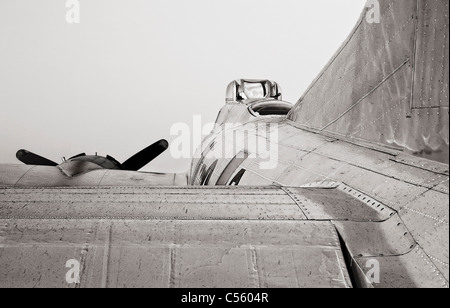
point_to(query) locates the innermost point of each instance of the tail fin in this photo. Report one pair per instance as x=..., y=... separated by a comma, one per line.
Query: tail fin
x=388, y=83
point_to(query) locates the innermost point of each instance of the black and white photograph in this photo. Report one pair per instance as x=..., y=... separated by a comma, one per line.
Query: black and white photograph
x=224, y=149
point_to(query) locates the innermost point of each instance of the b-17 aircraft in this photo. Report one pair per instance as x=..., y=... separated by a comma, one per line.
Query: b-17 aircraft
x=348, y=187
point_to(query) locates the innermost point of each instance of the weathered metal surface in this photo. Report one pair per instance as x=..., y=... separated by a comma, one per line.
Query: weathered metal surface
x=148, y=203
x=443, y=187
x=431, y=61
x=428, y=222
x=255, y=178
x=271, y=174
x=290, y=137
x=356, y=155
x=384, y=95
x=341, y=203
x=198, y=236
x=412, y=270
x=388, y=83
x=11, y=174
x=408, y=169
x=322, y=184
x=425, y=164
x=45, y=176
x=388, y=238
x=313, y=168
x=393, y=192
x=374, y=172
x=156, y=253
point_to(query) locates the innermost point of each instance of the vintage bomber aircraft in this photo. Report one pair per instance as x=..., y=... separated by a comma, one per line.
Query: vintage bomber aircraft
x=357, y=195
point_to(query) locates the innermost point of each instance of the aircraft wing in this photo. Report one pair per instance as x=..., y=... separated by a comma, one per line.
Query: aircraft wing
x=361, y=197
x=217, y=237
x=93, y=175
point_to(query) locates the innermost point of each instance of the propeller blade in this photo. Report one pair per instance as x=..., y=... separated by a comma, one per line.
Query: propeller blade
x=145, y=156
x=29, y=158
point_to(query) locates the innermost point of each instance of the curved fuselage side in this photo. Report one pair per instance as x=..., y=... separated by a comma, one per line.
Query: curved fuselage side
x=414, y=189
x=375, y=119
x=349, y=187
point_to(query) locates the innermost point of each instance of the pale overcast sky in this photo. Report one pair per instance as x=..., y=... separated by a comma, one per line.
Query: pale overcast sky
x=120, y=79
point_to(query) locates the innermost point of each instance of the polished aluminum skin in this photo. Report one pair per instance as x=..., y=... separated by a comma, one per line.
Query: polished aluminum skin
x=360, y=181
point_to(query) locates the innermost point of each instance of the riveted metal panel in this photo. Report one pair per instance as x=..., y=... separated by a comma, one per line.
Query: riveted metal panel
x=322, y=184
x=372, y=52
x=427, y=218
x=392, y=192
x=313, y=168
x=375, y=173
x=425, y=164
x=163, y=190
x=288, y=155
x=153, y=196
x=432, y=49
x=34, y=255
x=407, y=168
x=341, y=203
x=164, y=203
x=443, y=187
x=388, y=238
x=172, y=254
x=279, y=169
x=413, y=270
x=356, y=155
x=300, y=140
x=388, y=83
x=430, y=126
x=298, y=176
